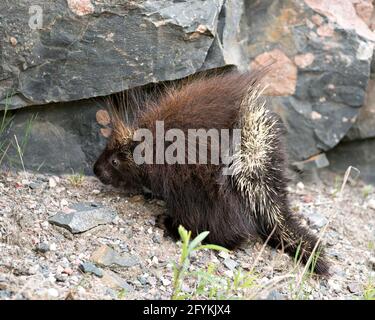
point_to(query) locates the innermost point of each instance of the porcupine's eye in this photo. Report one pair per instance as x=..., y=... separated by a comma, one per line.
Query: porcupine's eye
x=115, y=163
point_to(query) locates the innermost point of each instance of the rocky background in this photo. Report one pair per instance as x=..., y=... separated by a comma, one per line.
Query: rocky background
x=59, y=57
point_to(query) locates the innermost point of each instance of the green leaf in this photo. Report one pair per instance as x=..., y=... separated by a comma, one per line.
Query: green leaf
x=198, y=239
x=183, y=233
x=211, y=247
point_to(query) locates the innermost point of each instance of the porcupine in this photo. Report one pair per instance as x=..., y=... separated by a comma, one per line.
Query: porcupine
x=249, y=203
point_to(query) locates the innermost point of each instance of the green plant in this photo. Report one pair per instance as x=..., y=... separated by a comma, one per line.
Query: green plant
x=300, y=290
x=5, y=123
x=5, y=144
x=121, y=295
x=336, y=185
x=180, y=269
x=76, y=179
x=367, y=190
x=371, y=245
x=209, y=283
x=369, y=291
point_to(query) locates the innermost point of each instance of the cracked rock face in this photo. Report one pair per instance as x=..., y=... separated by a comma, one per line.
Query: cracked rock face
x=322, y=52
x=71, y=50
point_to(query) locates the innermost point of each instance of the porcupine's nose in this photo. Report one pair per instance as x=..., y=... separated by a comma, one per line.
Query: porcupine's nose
x=100, y=173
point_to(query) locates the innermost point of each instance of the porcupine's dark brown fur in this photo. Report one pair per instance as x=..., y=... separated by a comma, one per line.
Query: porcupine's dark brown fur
x=251, y=202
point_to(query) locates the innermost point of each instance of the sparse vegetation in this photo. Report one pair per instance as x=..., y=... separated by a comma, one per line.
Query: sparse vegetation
x=7, y=143
x=76, y=179
x=369, y=292
x=208, y=283
x=5, y=123
x=367, y=190
x=180, y=270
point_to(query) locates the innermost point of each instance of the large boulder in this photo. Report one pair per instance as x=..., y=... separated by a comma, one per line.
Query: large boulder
x=321, y=53
x=358, y=147
x=66, y=50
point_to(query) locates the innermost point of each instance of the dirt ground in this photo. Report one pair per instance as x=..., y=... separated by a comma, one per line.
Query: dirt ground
x=39, y=260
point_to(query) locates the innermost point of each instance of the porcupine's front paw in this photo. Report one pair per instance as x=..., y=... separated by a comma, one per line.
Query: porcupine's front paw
x=165, y=222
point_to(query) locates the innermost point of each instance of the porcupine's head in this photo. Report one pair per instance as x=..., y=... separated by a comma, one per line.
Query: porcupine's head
x=116, y=166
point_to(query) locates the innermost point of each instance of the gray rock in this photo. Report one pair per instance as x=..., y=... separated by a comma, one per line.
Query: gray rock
x=359, y=154
x=275, y=295
x=230, y=264
x=35, y=185
x=142, y=279
x=42, y=247
x=84, y=217
x=106, y=256
x=108, y=47
x=61, y=277
x=88, y=267
x=156, y=238
x=317, y=220
x=114, y=281
x=354, y=287
x=330, y=72
x=364, y=127
x=5, y=294
x=59, y=140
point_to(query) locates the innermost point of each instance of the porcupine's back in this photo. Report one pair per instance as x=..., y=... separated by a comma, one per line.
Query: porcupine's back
x=206, y=102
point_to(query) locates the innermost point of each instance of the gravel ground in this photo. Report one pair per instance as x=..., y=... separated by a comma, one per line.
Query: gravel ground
x=130, y=258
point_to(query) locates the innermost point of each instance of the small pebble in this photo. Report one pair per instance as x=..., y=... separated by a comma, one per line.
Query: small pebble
x=52, y=182
x=156, y=238
x=13, y=41
x=300, y=186
x=151, y=281
x=61, y=277
x=165, y=282
x=230, y=264
x=155, y=260
x=223, y=255
x=64, y=203
x=53, y=293
x=42, y=247
x=371, y=204
x=354, y=287
x=68, y=271
x=372, y=263
x=34, y=185
x=88, y=267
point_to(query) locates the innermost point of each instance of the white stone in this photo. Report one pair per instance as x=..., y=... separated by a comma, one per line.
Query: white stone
x=300, y=185
x=53, y=293
x=52, y=182
x=371, y=204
